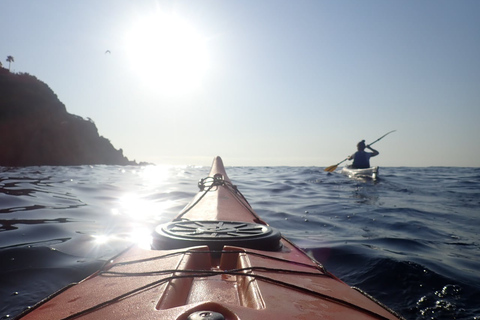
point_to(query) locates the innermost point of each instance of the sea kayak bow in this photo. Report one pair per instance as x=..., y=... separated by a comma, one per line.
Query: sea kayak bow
x=216, y=260
x=367, y=173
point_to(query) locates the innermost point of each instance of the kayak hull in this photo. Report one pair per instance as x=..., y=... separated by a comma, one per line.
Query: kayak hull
x=198, y=277
x=367, y=173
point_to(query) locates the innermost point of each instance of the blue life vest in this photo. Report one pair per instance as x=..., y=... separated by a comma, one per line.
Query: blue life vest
x=361, y=160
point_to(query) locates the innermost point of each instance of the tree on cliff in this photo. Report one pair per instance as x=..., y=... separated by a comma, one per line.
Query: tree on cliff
x=10, y=59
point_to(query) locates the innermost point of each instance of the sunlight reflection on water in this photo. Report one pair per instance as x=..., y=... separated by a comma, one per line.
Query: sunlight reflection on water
x=138, y=210
x=155, y=175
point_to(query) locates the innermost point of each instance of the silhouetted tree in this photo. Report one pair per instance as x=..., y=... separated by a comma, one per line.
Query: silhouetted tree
x=10, y=59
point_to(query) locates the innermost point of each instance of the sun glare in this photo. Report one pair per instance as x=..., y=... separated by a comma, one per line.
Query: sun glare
x=141, y=237
x=100, y=239
x=154, y=175
x=167, y=53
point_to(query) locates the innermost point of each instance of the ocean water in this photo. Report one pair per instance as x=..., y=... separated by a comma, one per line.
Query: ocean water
x=411, y=239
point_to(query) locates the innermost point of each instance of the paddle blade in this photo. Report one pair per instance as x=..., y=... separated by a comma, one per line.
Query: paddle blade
x=331, y=168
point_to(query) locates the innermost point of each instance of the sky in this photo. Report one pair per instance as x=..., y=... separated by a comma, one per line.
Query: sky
x=261, y=82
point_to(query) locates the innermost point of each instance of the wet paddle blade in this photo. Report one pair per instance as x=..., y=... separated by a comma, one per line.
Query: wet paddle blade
x=331, y=168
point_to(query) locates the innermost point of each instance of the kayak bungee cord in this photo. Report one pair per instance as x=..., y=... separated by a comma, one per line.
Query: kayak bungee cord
x=181, y=274
x=201, y=185
x=214, y=273
x=216, y=181
x=168, y=255
x=202, y=273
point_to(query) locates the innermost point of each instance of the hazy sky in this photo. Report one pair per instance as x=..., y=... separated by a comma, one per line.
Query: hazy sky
x=261, y=82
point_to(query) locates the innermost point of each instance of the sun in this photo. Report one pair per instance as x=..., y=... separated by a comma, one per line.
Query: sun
x=167, y=53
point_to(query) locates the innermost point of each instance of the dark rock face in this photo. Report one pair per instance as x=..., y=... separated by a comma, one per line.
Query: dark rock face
x=36, y=129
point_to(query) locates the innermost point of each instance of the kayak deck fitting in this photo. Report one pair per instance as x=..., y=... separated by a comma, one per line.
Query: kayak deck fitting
x=216, y=260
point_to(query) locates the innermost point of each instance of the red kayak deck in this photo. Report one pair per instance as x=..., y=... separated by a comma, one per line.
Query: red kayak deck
x=201, y=274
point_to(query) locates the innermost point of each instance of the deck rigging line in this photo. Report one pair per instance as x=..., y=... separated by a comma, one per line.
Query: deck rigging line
x=208, y=183
x=243, y=272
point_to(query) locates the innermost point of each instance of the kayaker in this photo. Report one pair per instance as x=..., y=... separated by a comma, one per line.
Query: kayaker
x=361, y=158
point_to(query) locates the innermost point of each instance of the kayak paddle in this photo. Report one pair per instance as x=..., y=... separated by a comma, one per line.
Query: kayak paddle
x=334, y=167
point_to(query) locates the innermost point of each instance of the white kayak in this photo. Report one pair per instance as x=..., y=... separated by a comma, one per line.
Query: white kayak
x=367, y=173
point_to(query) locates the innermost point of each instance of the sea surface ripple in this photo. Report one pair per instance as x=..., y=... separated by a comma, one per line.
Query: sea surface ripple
x=410, y=239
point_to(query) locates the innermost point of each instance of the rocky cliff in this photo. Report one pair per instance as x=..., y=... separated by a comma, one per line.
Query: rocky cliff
x=36, y=129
